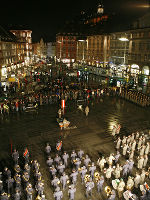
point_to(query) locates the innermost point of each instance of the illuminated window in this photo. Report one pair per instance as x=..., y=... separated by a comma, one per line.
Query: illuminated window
x=28, y=34
x=148, y=46
x=145, y=57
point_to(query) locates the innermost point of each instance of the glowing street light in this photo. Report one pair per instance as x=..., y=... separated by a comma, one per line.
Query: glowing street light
x=60, y=42
x=83, y=53
x=123, y=39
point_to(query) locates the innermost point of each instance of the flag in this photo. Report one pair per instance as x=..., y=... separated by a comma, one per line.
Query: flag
x=25, y=153
x=59, y=146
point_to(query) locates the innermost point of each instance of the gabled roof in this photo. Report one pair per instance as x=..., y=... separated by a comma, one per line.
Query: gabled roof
x=6, y=35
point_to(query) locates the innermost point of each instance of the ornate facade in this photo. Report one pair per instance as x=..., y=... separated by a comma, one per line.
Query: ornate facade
x=98, y=47
x=25, y=39
x=66, y=48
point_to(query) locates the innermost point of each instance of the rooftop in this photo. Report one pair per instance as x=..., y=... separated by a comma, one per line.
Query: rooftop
x=6, y=35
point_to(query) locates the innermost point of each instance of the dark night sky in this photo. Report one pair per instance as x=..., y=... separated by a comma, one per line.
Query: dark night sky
x=45, y=17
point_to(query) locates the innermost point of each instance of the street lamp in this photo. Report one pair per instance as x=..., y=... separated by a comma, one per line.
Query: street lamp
x=60, y=48
x=83, y=56
x=123, y=39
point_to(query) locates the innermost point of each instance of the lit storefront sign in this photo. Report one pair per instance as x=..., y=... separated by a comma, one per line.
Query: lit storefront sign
x=134, y=69
x=67, y=60
x=145, y=70
x=4, y=71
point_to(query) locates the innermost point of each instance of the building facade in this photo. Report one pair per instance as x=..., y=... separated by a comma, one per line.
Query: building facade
x=118, y=56
x=98, y=47
x=51, y=49
x=25, y=39
x=81, y=55
x=139, y=54
x=66, y=48
x=39, y=50
x=8, y=54
x=15, y=54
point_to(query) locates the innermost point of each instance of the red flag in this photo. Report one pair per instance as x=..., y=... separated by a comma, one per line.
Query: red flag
x=25, y=153
x=59, y=146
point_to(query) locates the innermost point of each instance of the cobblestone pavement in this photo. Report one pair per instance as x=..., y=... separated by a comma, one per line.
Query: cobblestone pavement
x=92, y=133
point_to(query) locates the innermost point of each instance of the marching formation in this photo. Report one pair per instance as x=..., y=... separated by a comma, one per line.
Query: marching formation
x=124, y=177
x=111, y=176
x=66, y=170
x=135, y=149
x=16, y=183
x=136, y=97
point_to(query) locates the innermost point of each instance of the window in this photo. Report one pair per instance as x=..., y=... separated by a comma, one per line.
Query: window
x=133, y=45
x=141, y=34
x=28, y=34
x=139, y=57
x=146, y=34
x=145, y=57
x=148, y=46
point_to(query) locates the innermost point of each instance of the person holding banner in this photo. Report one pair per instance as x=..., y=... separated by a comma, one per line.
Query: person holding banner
x=59, y=146
x=26, y=155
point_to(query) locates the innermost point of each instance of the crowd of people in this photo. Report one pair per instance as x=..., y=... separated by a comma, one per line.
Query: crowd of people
x=51, y=96
x=16, y=182
x=55, y=90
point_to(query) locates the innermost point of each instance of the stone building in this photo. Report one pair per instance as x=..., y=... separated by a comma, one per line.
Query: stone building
x=25, y=39
x=8, y=53
x=98, y=47
x=66, y=47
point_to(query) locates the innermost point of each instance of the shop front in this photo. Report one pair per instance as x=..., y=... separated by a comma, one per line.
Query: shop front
x=143, y=78
x=146, y=74
x=135, y=71
x=3, y=73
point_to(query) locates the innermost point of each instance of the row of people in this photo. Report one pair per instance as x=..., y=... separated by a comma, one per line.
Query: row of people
x=136, y=97
x=135, y=146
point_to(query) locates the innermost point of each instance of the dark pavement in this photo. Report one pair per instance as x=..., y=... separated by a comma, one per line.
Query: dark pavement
x=93, y=133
